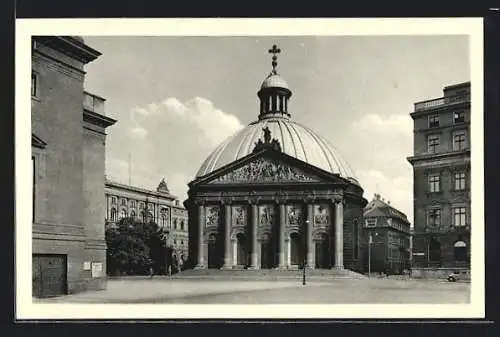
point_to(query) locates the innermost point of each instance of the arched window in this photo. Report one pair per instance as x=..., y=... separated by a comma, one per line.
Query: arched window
x=182, y=225
x=460, y=251
x=123, y=213
x=163, y=220
x=113, y=214
x=175, y=223
x=132, y=214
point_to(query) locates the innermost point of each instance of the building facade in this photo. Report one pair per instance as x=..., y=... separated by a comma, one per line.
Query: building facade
x=275, y=195
x=68, y=154
x=159, y=206
x=441, y=169
x=386, y=233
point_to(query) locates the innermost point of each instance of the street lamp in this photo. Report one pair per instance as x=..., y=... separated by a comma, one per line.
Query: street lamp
x=370, y=242
x=305, y=254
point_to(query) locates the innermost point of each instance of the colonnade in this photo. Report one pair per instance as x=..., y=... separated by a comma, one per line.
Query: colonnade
x=230, y=250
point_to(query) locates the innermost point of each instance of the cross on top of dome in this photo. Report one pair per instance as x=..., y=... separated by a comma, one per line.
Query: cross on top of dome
x=274, y=50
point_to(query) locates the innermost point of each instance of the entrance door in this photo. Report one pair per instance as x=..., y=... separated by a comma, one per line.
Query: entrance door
x=322, y=260
x=241, y=250
x=49, y=275
x=213, y=258
x=267, y=255
x=295, y=249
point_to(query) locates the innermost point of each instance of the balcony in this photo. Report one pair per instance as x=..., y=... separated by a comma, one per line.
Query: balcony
x=440, y=102
x=93, y=103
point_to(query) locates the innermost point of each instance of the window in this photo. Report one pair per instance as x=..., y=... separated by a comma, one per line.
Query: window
x=459, y=141
x=113, y=200
x=141, y=205
x=458, y=117
x=132, y=203
x=432, y=144
x=123, y=202
x=371, y=222
x=459, y=181
x=434, y=121
x=459, y=217
x=123, y=214
x=434, y=217
x=434, y=182
x=163, y=220
x=175, y=241
x=175, y=223
x=113, y=214
x=182, y=242
x=132, y=214
x=34, y=85
x=182, y=225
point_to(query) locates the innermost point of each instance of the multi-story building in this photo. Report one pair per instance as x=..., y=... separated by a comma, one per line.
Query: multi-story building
x=68, y=155
x=441, y=170
x=386, y=238
x=159, y=206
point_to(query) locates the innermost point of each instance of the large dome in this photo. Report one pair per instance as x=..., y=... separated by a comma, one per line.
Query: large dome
x=295, y=139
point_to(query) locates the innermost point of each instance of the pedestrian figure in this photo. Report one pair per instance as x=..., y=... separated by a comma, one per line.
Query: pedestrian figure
x=170, y=271
x=151, y=272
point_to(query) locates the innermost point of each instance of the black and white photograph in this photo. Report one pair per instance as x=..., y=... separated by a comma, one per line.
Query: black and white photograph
x=331, y=168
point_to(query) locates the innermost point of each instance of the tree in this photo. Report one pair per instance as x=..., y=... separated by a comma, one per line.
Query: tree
x=134, y=247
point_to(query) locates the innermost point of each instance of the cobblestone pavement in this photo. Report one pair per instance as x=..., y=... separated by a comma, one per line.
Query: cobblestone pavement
x=163, y=290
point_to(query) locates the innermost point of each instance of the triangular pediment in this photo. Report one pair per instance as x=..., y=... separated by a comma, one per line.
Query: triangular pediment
x=265, y=170
x=268, y=167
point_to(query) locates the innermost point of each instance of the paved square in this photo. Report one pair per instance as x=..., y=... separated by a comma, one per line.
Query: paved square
x=336, y=291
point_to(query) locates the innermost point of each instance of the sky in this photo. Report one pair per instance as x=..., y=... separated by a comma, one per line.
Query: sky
x=177, y=98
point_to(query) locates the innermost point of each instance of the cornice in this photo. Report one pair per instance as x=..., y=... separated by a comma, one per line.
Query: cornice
x=70, y=46
x=97, y=119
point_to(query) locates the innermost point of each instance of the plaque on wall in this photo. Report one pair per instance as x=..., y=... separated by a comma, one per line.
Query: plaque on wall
x=321, y=215
x=266, y=216
x=239, y=216
x=97, y=269
x=212, y=216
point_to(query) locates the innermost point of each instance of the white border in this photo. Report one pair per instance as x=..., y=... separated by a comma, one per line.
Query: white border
x=25, y=309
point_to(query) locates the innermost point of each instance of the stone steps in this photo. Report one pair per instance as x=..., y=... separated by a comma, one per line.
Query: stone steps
x=267, y=274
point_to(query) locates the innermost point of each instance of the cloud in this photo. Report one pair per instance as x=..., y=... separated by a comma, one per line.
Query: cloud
x=169, y=138
x=382, y=144
x=396, y=189
x=391, y=126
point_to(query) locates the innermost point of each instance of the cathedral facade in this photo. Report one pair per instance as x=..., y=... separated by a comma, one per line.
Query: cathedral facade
x=275, y=195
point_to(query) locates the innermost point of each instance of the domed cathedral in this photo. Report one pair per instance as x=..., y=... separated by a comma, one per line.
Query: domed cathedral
x=275, y=195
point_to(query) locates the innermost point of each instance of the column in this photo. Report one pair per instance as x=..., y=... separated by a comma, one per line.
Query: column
x=289, y=252
x=339, y=234
x=282, y=236
x=310, y=260
x=201, y=225
x=227, y=237
x=235, y=252
x=254, y=254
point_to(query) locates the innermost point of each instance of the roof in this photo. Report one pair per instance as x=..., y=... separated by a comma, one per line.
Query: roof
x=378, y=207
x=295, y=140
